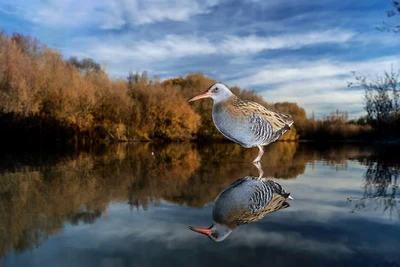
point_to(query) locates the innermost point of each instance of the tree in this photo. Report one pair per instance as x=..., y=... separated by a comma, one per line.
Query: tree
x=189, y=86
x=338, y=115
x=85, y=65
x=393, y=12
x=381, y=97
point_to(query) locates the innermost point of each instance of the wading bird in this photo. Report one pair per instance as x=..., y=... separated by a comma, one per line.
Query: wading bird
x=244, y=122
x=247, y=200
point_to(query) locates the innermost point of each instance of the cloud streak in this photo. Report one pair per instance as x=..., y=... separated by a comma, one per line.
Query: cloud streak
x=254, y=44
x=108, y=14
x=178, y=46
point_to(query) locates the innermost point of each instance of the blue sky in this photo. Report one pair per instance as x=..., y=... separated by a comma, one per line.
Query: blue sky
x=294, y=50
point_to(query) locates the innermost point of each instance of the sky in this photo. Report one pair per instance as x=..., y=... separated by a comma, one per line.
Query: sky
x=300, y=51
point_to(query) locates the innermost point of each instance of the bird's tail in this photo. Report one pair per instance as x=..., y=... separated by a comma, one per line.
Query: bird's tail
x=287, y=195
x=277, y=188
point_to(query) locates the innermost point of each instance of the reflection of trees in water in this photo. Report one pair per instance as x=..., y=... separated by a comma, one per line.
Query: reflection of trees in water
x=35, y=205
x=335, y=155
x=381, y=187
x=37, y=199
x=85, y=216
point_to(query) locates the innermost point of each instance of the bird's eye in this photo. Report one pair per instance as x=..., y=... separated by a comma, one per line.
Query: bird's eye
x=215, y=235
x=216, y=88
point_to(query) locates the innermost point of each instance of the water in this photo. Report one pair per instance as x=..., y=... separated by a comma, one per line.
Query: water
x=131, y=205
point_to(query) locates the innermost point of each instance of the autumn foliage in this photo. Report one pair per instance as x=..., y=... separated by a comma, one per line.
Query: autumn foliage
x=79, y=100
x=45, y=98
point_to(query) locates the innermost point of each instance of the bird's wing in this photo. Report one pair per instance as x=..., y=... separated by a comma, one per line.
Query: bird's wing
x=263, y=200
x=277, y=120
x=277, y=203
x=269, y=196
x=276, y=188
x=261, y=197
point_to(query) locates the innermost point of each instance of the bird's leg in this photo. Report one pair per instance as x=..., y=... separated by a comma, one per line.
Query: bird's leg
x=259, y=168
x=260, y=153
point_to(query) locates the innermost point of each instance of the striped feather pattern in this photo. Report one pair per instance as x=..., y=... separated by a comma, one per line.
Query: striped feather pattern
x=265, y=125
x=277, y=120
x=264, y=196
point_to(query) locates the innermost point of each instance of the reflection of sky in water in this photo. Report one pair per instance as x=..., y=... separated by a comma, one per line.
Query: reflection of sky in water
x=317, y=230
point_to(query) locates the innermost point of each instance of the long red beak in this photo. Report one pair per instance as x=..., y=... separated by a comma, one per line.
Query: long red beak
x=205, y=231
x=200, y=96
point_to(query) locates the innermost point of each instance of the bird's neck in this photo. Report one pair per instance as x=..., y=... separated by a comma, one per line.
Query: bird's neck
x=228, y=105
x=226, y=101
x=223, y=230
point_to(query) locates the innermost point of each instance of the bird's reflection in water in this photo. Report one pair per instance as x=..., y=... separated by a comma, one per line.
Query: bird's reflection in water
x=246, y=200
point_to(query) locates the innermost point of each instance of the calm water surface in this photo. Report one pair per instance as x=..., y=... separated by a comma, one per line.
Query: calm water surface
x=131, y=205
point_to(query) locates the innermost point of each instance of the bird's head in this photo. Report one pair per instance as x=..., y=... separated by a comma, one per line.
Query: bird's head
x=218, y=92
x=216, y=232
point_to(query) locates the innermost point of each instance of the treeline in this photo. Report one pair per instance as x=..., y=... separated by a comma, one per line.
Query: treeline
x=46, y=98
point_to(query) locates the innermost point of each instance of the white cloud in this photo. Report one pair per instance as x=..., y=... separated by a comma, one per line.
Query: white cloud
x=254, y=44
x=296, y=70
x=320, y=96
x=146, y=11
x=108, y=14
x=173, y=46
x=57, y=14
x=292, y=241
x=319, y=86
x=377, y=38
x=178, y=46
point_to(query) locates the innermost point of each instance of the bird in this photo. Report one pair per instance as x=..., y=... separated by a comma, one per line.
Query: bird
x=246, y=200
x=244, y=122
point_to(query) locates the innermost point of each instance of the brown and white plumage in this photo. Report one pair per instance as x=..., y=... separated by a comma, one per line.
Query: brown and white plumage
x=247, y=200
x=245, y=122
